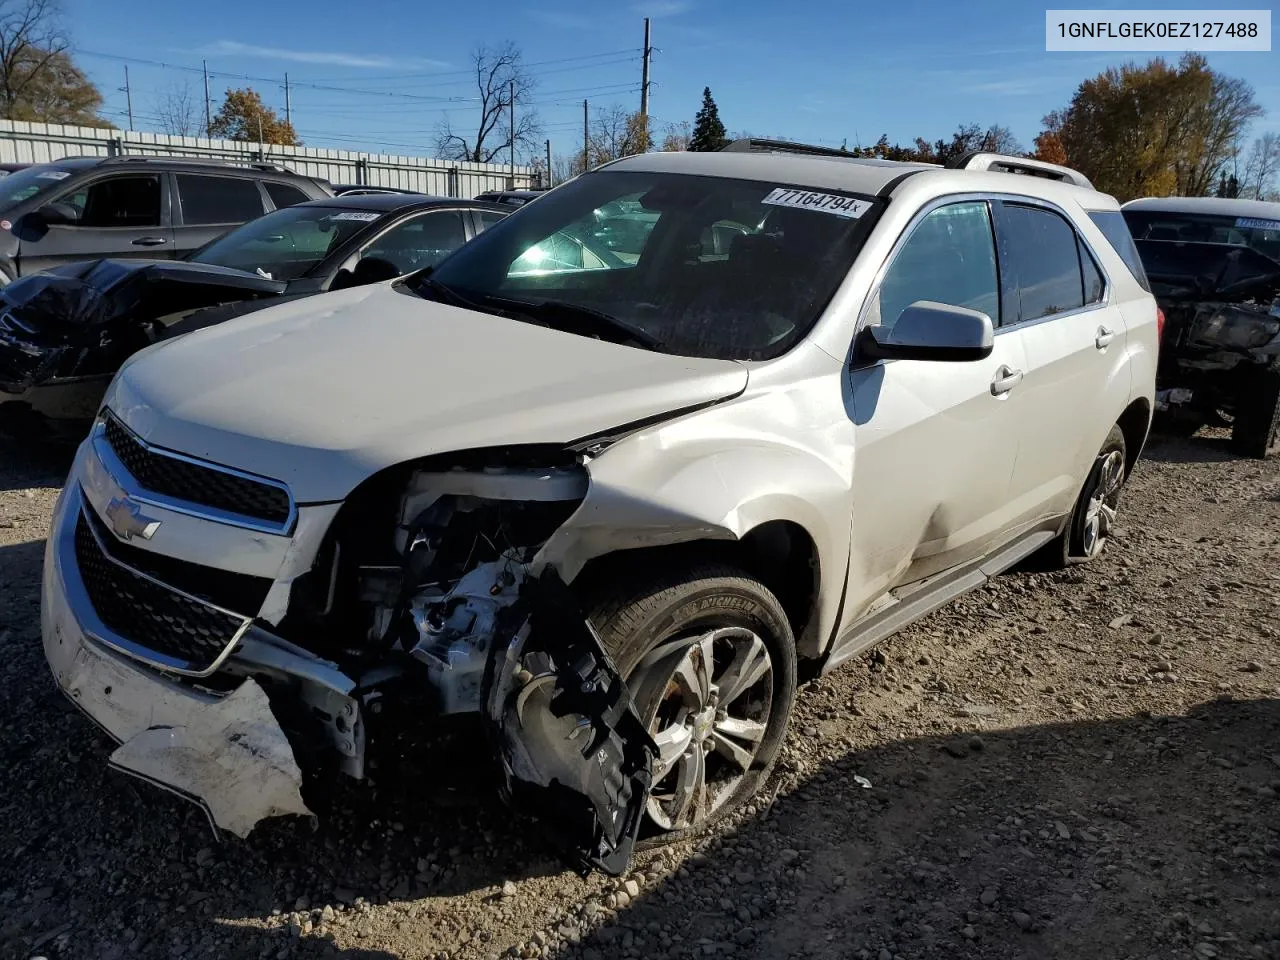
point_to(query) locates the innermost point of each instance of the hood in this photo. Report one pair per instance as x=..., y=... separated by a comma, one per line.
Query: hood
x=323, y=392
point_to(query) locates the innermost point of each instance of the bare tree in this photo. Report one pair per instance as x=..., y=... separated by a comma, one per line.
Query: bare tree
x=615, y=133
x=178, y=111
x=677, y=136
x=1262, y=168
x=31, y=41
x=566, y=167
x=500, y=73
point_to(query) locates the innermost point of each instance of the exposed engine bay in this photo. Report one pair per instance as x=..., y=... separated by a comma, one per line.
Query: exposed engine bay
x=443, y=610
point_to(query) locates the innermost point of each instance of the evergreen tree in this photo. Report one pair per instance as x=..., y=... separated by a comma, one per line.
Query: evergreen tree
x=708, y=132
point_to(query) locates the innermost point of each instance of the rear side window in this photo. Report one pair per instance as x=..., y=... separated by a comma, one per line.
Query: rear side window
x=208, y=200
x=487, y=218
x=284, y=195
x=1094, y=285
x=1047, y=258
x=1116, y=230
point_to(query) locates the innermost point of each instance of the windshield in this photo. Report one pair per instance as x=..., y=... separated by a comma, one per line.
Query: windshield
x=1260, y=234
x=699, y=266
x=287, y=244
x=25, y=184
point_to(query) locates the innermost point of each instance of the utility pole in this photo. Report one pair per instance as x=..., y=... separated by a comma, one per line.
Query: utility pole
x=128, y=96
x=511, y=88
x=207, y=122
x=586, y=139
x=550, y=182
x=288, y=103
x=644, y=84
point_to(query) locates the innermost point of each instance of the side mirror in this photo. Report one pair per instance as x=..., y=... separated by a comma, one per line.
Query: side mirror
x=56, y=213
x=930, y=331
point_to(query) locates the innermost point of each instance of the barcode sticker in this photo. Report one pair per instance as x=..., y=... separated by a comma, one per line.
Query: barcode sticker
x=821, y=202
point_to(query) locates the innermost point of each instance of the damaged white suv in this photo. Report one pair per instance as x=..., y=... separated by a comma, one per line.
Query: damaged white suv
x=602, y=477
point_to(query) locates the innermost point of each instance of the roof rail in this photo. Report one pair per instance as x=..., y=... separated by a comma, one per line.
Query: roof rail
x=758, y=145
x=211, y=161
x=1004, y=163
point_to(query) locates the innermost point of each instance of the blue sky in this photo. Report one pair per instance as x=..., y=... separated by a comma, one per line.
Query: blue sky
x=813, y=70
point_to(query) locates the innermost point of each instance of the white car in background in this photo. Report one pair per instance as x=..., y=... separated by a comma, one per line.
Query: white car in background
x=606, y=505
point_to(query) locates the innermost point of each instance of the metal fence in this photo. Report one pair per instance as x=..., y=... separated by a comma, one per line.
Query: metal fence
x=22, y=142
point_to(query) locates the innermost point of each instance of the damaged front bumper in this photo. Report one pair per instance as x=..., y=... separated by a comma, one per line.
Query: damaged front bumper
x=225, y=751
x=566, y=733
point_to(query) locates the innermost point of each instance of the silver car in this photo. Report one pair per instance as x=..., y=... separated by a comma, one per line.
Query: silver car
x=606, y=502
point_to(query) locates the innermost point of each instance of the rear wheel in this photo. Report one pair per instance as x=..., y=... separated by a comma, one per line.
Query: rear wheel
x=710, y=659
x=1094, y=513
x=1256, y=429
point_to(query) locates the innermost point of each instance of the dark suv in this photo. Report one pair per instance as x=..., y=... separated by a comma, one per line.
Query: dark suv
x=82, y=208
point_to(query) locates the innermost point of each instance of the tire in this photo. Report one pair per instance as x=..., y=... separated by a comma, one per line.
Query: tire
x=1085, y=534
x=656, y=629
x=1256, y=430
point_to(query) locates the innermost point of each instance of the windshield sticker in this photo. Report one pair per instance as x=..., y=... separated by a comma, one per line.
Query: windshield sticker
x=363, y=216
x=1255, y=224
x=822, y=202
x=53, y=175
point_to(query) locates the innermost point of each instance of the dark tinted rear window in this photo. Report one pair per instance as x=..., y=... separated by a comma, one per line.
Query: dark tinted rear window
x=1048, y=261
x=218, y=199
x=1113, y=227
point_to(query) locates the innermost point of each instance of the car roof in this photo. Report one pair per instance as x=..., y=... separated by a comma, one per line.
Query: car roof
x=389, y=202
x=865, y=175
x=1214, y=206
x=263, y=170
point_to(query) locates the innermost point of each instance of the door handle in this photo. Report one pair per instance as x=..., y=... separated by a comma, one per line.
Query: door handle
x=1005, y=380
x=1104, y=337
x=148, y=241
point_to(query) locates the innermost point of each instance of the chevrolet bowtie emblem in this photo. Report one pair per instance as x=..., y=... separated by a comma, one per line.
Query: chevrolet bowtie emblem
x=128, y=520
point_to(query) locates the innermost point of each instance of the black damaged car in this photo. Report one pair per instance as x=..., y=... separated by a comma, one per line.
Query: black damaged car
x=1214, y=267
x=64, y=333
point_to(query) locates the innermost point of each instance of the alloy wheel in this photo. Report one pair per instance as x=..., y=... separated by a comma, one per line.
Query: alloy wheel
x=708, y=719
x=1100, y=511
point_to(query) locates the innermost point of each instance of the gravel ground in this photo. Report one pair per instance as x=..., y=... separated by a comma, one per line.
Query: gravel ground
x=1078, y=765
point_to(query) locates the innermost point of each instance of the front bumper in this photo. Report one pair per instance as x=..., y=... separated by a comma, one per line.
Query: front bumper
x=225, y=751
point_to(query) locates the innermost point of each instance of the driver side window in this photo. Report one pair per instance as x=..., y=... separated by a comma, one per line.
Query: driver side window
x=420, y=242
x=950, y=257
x=117, y=202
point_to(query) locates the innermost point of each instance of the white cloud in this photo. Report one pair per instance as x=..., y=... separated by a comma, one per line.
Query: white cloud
x=333, y=58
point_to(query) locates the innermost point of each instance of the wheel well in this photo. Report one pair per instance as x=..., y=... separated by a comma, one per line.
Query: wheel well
x=780, y=554
x=1134, y=423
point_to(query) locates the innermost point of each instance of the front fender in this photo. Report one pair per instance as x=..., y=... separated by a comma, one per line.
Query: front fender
x=772, y=454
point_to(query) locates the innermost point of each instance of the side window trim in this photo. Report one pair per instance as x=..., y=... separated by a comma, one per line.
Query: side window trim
x=1082, y=243
x=916, y=219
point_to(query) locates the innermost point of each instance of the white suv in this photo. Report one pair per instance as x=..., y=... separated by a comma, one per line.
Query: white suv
x=603, y=477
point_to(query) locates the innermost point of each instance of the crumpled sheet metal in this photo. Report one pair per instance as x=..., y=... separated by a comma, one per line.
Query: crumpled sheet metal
x=231, y=756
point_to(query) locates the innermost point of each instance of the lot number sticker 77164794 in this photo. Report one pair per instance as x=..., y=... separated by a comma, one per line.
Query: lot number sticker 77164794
x=821, y=202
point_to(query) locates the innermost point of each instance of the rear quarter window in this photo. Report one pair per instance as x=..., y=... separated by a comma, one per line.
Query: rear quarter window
x=1116, y=230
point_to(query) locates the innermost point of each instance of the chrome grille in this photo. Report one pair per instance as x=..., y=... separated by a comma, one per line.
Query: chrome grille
x=184, y=633
x=181, y=479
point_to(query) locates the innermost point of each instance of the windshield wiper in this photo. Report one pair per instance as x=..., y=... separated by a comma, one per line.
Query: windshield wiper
x=586, y=319
x=425, y=285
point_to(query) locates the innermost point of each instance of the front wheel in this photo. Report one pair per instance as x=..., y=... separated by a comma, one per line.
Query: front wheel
x=1256, y=429
x=710, y=659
